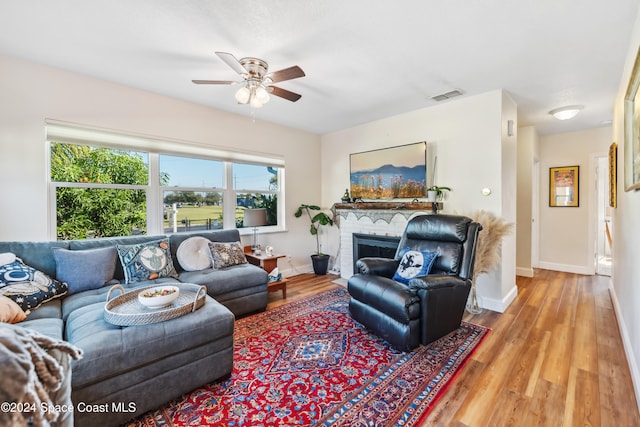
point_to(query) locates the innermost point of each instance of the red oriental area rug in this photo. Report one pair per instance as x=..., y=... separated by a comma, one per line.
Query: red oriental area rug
x=309, y=363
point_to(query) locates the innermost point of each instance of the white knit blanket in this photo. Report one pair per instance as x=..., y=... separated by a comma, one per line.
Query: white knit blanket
x=30, y=376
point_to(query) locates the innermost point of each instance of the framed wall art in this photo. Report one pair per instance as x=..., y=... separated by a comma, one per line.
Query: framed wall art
x=564, y=186
x=632, y=130
x=390, y=173
x=613, y=175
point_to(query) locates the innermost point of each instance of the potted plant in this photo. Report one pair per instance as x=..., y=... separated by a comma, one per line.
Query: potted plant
x=319, y=260
x=436, y=193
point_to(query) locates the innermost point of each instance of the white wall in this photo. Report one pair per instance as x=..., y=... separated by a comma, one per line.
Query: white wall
x=527, y=141
x=31, y=93
x=626, y=235
x=468, y=136
x=498, y=301
x=567, y=234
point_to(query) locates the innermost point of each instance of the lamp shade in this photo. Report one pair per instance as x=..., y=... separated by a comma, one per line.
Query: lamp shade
x=255, y=217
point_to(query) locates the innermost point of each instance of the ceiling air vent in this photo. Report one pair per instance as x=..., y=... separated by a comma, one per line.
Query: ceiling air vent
x=448, y=95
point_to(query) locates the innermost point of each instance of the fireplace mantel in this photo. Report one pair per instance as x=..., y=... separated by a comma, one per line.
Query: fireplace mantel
x=411, y=206
x=381, y=210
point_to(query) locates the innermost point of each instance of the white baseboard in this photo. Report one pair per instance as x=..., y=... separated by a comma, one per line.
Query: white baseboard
x=567, y=268
x=499, y=305
x=340, y=281
x=295, y=270
x=628, y=349
x=524, y=271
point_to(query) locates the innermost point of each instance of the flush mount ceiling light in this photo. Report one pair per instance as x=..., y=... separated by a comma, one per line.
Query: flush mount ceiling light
x=566, y=113
x=257, y=82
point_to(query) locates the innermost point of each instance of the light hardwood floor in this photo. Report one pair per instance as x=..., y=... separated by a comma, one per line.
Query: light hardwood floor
x=553, y=358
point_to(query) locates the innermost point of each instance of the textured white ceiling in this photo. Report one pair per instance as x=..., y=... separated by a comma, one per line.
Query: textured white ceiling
x=364, y=59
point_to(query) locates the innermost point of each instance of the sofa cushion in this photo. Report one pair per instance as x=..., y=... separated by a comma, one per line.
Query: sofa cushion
x=49, y=310
x=111, y=351
x=28, y=287
x=237, y=278
x=85, y=269
x=10, y=312
x=226, y=254
x=193, y=254
x=146, y=261
x=414, y=264
x=52, y=328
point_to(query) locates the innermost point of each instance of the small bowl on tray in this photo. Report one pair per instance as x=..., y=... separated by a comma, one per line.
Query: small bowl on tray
x=158, y=296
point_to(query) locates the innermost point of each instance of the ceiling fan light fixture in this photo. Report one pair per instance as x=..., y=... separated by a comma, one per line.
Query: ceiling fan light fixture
x=243, y=95
x=255, y=102
x=262, y=95
x=566, y=113
x=257, y=82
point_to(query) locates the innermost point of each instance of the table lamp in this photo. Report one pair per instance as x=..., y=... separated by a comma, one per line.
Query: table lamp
x=255, y=218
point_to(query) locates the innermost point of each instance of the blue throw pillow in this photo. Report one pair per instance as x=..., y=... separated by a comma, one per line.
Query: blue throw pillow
x=414, y=264
x=86, y=269
x=146, y=261
x=28, y=287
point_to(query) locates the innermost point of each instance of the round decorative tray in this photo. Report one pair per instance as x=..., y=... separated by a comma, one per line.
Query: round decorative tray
x=126, y=310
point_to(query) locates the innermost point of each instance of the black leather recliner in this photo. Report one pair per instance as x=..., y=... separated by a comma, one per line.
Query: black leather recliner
x=428, y=307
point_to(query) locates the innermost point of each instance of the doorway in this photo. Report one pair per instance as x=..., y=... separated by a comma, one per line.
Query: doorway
x=604, y=232
x=535, y=213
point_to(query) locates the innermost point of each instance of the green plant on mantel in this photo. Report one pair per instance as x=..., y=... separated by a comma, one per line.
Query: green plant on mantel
x=439, y=191
x=317, y=220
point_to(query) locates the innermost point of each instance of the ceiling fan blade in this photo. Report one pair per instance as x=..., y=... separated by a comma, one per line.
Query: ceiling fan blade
x=232, y=62
x=283, y=93
x=286, y=74
x=213, y=82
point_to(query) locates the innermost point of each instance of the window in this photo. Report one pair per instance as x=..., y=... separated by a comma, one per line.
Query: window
x=187, y=206
x=256, y=186
x=99, y=192
x=100, y=189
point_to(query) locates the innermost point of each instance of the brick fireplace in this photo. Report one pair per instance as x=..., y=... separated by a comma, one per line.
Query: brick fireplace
x=387, y=220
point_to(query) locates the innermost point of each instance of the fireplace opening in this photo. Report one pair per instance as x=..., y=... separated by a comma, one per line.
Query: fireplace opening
x=373, y=245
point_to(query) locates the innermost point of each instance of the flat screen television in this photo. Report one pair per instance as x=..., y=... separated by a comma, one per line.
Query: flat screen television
x=390, y=173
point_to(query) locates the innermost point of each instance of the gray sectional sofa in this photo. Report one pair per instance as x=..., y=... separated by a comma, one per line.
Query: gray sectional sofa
x=128, y=370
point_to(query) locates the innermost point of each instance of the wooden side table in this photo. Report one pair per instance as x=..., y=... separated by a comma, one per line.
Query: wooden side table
x=268, y=263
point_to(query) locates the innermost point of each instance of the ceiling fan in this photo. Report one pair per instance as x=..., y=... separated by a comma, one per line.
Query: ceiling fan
x=257, y=81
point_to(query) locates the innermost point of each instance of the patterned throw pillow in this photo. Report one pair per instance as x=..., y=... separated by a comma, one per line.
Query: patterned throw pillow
x=146, y=261
x=414, y=264
x=28, y=287
x=226, y=254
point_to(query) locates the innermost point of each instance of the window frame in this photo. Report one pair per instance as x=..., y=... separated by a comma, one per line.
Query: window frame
x=93, y=137
x=235, y=192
